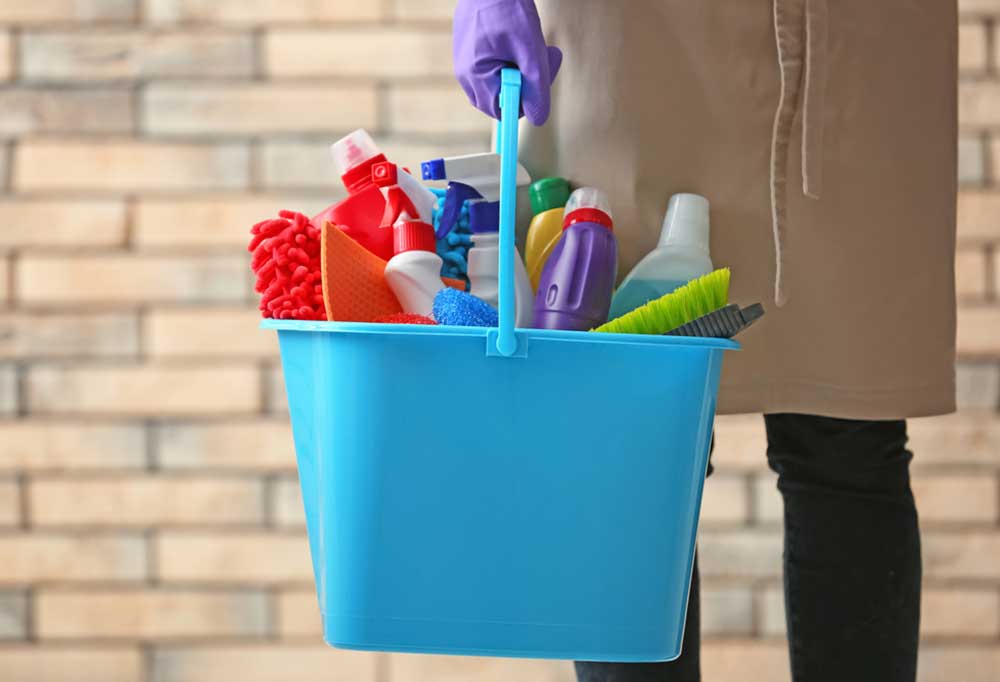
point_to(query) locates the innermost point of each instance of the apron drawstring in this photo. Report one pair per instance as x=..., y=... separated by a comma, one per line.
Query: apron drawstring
x=800, y=31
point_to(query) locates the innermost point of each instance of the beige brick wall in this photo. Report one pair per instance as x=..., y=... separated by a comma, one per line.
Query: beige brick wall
x=151, y=528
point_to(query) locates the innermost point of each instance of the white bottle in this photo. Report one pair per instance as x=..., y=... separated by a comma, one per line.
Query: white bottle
x=414, y=273
x=484, y=270
x=681, y=256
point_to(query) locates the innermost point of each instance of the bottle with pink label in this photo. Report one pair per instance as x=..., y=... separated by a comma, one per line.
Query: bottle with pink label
x=578, y=280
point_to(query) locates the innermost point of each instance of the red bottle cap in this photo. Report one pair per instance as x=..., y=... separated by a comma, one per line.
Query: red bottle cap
x=588, y=205
x=588, y=215
x=413, y=235
x=360, y=176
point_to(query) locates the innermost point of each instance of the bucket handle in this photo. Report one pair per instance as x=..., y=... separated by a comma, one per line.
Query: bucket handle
x=510, y=105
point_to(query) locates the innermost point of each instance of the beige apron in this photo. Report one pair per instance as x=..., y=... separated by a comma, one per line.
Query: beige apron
x=824, y=135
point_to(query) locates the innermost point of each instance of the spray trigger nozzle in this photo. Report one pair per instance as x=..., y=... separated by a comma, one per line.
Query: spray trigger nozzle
x=452, y=209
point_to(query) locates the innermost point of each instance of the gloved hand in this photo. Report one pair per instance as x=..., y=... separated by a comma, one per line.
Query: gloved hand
x=489, y=35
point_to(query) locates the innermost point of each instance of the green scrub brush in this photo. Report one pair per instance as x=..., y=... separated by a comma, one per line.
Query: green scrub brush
x=685, y=304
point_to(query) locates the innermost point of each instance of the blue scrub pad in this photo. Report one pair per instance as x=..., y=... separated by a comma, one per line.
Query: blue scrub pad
x=460, y=309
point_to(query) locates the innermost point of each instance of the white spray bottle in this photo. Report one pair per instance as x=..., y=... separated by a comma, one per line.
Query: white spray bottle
x=414, y=272
x=476, y=178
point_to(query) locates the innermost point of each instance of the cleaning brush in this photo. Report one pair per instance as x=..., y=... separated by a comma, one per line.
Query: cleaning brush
x=724, y=323
x=685, y=304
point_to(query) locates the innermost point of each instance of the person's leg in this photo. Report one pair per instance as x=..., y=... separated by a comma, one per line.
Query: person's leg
x=686, y=668
x=852, y=547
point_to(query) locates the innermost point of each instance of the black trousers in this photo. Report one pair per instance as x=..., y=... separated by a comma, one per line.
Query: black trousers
x=851, y=558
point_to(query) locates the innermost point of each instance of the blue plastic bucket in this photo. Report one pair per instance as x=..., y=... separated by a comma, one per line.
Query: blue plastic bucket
x=501, y=492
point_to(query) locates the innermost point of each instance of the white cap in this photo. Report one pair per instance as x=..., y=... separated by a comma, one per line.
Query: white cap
x=353, y=149
x=686, y=222
x=588, y=197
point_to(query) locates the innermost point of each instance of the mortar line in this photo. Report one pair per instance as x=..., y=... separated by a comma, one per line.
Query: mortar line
x=10, y=151
x=23, y=503
x=987, y=163
x=988, y=25
x=30, y=622
x=989, y=253
x=152, y=573
x=146, y=652
x=258, y=37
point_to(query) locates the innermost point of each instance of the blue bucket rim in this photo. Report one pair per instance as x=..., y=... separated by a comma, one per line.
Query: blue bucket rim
x=481, y=332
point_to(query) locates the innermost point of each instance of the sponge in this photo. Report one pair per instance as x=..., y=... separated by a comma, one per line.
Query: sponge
x=405, y=318
x=460, y=309
x=354, y=288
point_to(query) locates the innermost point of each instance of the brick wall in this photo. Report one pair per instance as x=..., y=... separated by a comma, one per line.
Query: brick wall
x=150, y=524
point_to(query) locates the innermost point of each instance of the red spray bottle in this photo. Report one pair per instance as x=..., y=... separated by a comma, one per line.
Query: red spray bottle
x=360, y=214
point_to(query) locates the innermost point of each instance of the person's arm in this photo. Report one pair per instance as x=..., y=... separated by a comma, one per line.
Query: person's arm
x=489, y=35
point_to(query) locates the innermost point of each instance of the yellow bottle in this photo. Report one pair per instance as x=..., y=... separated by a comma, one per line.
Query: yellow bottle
x=548, y=197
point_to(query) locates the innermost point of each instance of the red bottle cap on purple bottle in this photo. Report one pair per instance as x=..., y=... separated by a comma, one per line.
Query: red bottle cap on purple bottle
x=588, y=205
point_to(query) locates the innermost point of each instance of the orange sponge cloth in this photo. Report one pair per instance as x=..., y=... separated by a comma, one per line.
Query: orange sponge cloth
x=354, y=287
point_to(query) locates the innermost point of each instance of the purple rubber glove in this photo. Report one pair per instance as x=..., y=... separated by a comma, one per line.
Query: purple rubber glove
x=489, y=35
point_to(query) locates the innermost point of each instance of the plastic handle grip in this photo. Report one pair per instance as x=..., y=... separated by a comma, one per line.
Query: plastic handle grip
x=510, y=105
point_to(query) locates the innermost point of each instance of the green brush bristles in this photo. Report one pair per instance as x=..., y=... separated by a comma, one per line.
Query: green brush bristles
x=689, y=302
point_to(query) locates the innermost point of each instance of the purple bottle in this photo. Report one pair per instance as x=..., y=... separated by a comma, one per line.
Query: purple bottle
x=579, y=277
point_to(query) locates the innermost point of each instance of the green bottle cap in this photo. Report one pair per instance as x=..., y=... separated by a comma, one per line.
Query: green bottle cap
x=548, y=193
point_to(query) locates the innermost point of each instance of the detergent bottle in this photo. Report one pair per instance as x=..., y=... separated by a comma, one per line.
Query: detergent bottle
x=578, y=279
x=476, y=178
x=680, y=256
x=548, y=197
x=360, y=214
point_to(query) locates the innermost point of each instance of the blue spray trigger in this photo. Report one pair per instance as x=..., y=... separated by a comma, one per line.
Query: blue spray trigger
x=433, y=170
x=453, y=200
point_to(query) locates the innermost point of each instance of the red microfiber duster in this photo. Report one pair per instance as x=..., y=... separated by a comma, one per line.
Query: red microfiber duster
x=405, y=318
x=286, y=260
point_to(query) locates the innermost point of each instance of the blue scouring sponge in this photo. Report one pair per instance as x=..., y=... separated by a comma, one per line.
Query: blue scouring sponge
x=458, y=308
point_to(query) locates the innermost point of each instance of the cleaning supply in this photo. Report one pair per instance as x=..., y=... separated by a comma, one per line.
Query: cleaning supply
x=354, y=285
x=698, y=297
x=724, y=323
x=548, y=197
x=414, y=273
x=462, y=309
x=475, y=178
x=360, y=214
x=680, y=256
x=405, y=318
x=578, y=279
x=287, y=261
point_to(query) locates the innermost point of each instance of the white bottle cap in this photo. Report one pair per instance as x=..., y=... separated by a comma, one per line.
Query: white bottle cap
x=588, y=197
x=353, y=149
x=686, y=222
